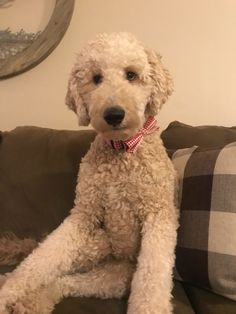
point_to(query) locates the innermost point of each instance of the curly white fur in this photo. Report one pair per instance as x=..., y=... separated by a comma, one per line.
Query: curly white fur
x=121, y=233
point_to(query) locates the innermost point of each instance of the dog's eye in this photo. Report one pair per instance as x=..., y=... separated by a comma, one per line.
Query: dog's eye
x=130, y=75
x=97, y=79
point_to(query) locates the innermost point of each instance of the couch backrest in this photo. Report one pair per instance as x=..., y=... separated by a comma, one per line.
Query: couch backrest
x=180, y=135
x=38, y=173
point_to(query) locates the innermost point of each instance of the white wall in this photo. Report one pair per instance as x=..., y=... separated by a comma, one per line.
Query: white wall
x=196, y=38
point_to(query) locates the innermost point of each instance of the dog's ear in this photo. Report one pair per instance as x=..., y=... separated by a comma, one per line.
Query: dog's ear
x=162, y=83
x=75, y=102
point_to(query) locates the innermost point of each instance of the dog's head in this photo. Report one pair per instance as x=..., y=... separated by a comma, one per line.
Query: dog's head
x=116, y=84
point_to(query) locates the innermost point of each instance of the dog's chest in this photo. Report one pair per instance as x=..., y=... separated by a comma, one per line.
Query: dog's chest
x=125, y=184
x=123, y=230
x=121, y=213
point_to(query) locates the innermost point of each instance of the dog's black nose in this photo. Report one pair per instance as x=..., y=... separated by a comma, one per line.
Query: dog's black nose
x=114, y=115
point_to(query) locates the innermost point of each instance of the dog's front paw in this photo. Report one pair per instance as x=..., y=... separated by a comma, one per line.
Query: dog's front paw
x=4, y=308
x=28, y=306
x=17, y=308
x=148, y=308
x=8, y=306
x=40, y=301
x=12, y=308
x=23, y=308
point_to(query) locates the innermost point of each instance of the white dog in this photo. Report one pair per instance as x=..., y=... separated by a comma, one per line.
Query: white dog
x=121, y=233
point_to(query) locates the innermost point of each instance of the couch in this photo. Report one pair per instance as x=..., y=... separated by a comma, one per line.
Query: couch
x=38, y=171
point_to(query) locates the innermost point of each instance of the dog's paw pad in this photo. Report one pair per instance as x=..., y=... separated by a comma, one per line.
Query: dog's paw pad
x=17, y=308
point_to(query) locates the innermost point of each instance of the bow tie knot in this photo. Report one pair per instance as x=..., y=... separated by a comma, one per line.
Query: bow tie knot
x=132, y=143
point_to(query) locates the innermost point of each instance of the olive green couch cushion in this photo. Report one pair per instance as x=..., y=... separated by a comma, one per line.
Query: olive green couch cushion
x=38, y=172
x=179, y=135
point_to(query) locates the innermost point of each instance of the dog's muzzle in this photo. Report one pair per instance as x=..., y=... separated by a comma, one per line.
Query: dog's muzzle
x=114, y=115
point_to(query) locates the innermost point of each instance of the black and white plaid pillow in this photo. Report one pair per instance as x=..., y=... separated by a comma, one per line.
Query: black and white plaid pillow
x=206, y=249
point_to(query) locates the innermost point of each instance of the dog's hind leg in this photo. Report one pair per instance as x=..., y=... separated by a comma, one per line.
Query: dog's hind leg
x=108, y=280
x=68, y=246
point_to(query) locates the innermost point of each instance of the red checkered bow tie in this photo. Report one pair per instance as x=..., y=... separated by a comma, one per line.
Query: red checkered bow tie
x=132, y=143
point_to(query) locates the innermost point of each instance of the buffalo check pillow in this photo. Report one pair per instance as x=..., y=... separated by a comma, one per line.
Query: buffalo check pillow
x=206, y=249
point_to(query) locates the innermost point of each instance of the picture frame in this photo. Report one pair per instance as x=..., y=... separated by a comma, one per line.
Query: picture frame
x=42, y=43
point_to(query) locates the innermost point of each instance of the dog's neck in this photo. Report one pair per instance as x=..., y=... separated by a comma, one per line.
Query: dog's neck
x=130, y=145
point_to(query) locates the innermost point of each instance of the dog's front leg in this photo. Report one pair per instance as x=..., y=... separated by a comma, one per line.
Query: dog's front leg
x=75, y=240
x=152, y=282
